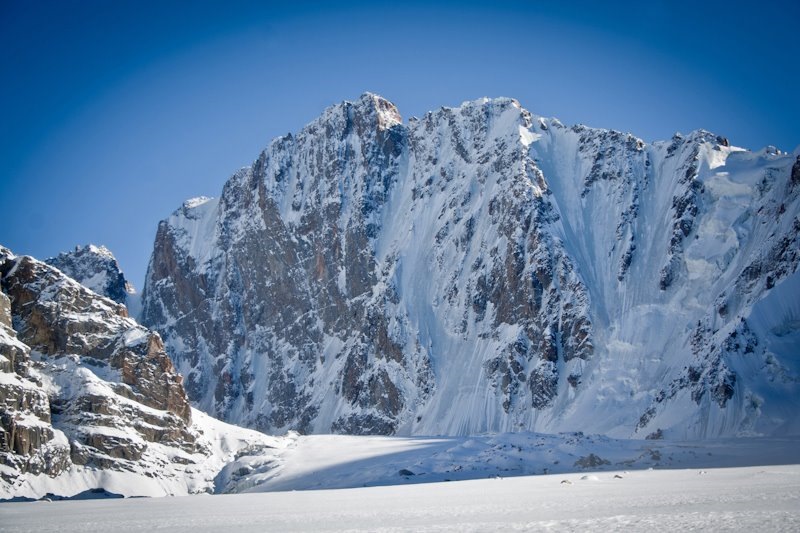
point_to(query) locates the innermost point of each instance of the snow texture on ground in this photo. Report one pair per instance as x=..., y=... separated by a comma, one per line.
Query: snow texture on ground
x=733, y=499
x=341, y=461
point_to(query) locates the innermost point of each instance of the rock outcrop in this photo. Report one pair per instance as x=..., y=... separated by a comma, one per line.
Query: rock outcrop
x=87, y=394
x=28, y=443
x=57, y=316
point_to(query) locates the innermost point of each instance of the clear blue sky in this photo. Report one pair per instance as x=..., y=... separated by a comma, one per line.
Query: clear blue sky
x=114, y=112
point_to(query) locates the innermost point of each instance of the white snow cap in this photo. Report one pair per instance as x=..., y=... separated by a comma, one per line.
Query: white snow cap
x=191, y=203
x=98, y=250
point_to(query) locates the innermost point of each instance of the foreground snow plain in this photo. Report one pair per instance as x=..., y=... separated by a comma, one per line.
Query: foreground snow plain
x=343, y=461
x=740, y=499
x=478, y=483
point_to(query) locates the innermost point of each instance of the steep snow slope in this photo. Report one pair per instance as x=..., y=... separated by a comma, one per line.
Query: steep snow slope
x=678, y=240
x=483, y=269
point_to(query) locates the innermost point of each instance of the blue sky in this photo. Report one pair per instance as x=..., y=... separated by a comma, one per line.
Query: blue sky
x=113, y=113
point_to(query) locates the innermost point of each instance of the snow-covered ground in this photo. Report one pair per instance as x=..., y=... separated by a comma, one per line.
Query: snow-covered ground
x=520, y=481
x=243, y=461
x=740, y=499
x=342, y=461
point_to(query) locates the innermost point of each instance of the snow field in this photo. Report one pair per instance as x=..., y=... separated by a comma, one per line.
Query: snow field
x=733, y=499
x=341, y=461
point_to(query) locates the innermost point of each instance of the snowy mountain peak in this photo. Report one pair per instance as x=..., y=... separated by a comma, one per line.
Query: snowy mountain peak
x=368, y=109
x=99, y=250
x=387, y=113
x=191, y=203
x=485, y=269
x=96, y=268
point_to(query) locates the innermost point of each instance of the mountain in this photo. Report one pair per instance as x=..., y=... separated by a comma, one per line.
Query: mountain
x=484, y=269
x=89, y=400
x=97, y=269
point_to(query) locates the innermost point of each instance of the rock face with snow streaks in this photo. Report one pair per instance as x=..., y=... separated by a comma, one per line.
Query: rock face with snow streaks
x=27, y=440
x=485, y=269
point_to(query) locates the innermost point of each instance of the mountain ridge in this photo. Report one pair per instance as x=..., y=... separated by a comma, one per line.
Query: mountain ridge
x=592, y=280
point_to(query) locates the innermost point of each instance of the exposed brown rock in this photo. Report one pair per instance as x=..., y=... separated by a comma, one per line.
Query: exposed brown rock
x=108, y=425
x=60, y=316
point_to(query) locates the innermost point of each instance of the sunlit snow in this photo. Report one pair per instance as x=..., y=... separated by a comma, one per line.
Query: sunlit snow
x=742, y=499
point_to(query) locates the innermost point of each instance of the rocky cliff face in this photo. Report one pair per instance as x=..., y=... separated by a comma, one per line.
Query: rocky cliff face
x=28, y=443
x=88, y=394
x=484, y=269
